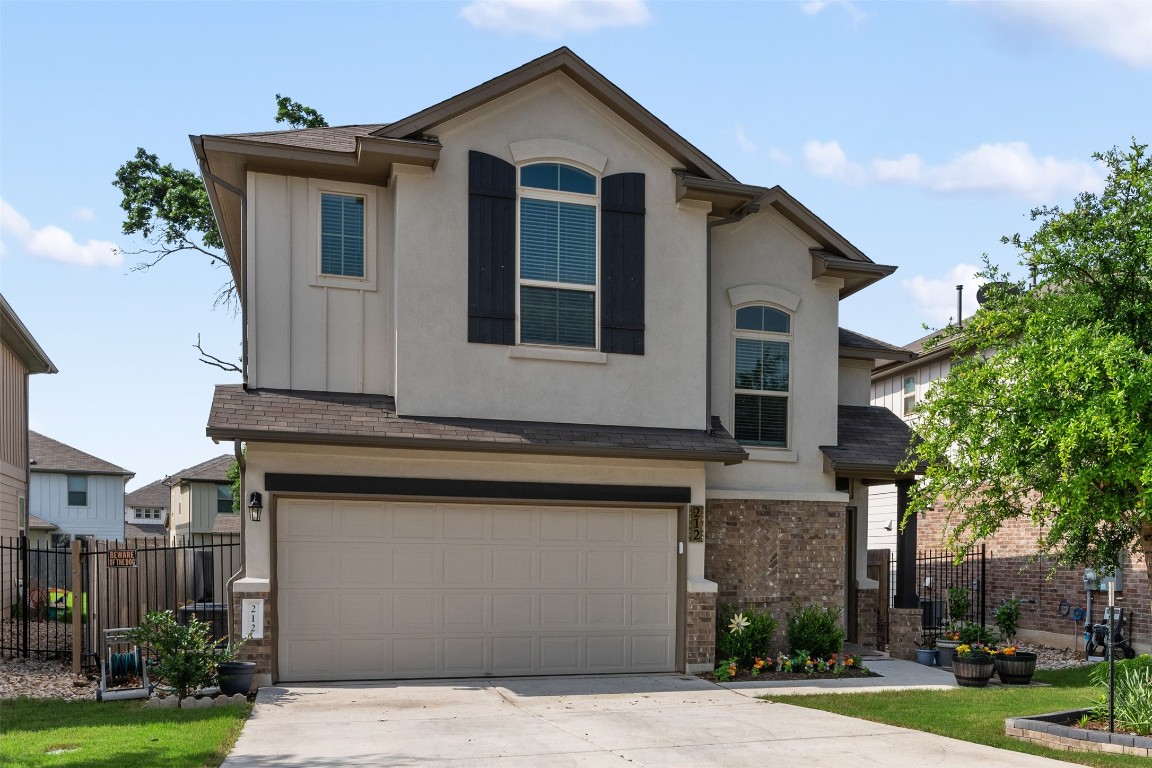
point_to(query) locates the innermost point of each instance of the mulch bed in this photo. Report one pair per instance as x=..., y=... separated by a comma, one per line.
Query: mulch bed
x=744, y=676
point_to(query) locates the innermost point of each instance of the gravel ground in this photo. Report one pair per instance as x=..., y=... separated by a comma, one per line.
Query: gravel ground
x=54, y=679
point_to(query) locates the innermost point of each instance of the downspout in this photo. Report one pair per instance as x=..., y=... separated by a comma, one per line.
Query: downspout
x=740, y=215
x=243, y=535
x=240, y=289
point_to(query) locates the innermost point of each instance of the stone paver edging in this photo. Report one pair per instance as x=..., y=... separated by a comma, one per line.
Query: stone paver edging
x=1049, y=730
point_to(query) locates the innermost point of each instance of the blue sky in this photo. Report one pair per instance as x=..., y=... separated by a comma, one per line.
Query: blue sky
x=922, y=132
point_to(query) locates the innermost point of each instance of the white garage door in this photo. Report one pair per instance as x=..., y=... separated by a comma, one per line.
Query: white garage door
x=381, y=590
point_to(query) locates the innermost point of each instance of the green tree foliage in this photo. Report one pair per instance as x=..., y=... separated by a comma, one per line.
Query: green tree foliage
x=233, y=476
x=1047, y=411
x=169, y=207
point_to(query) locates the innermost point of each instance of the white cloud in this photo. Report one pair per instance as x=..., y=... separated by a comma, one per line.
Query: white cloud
x=813, y=7
x=551, y=18
x=935, y=298
x=1121, y=29
x=56, y=244
x=828, y=159
x=746, y=144
x=1003, y=167
x=84, y=214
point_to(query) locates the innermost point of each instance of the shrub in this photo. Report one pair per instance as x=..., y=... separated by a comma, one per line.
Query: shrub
x=973, y=633
x=1133, y=700
x=185, y=655
x=958, y=604
x=815, y=630
x=1008, y=617
x=743, y=635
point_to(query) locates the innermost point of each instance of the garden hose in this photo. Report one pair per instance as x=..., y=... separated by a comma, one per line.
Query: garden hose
x=124, y=664
x=1064, y=609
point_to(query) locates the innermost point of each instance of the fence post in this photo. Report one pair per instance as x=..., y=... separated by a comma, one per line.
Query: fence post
x=78, y=601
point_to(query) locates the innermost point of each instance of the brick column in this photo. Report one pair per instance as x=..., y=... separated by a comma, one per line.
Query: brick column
x=904, y=633
x=259, y=651
x=867, y=616
x=700, y=632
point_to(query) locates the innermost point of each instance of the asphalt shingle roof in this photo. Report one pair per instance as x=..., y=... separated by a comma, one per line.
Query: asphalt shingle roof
x=48, y=455
x=853, y=340
x=226, y=524
x=145, y=531
x=869, y=437
x=211, y=471
x=340, y=138
x=153, y=495
x=351, y=419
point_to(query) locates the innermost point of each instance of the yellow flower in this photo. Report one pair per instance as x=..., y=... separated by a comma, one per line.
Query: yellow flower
x=738, y=624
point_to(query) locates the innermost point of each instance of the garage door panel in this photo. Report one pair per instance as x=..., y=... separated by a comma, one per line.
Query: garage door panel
x=378, y=590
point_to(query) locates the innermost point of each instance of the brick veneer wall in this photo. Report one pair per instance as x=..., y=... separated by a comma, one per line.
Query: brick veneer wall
x=700, y=630
x=867, y=616
x=1015, y=570
x=771, y=554
x=904, y=632
x=259, y=651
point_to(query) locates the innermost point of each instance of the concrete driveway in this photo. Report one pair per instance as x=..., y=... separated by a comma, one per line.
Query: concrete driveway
x=583, y=722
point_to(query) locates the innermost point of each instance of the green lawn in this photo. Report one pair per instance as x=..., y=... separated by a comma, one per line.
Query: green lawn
x=975, y=714
x=115, y=734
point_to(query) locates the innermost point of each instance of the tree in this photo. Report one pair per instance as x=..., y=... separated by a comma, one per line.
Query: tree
x=1047, y=411
x=169, y=207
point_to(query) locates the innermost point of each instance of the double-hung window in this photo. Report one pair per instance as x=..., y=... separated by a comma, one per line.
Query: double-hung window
x=762, y=375
x=223, y=500
x=909, y=395
x=77, y=490
x=558, y=209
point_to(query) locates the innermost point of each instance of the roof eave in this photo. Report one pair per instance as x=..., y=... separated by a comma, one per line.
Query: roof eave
x=18, y=337
x=305, y=438
x=899, y=366
x=857, y=275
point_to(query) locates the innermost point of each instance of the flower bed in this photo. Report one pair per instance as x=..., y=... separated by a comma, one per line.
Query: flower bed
x=788, y=668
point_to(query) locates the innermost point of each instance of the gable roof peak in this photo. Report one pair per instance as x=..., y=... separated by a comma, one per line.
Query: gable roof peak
x=563, y=60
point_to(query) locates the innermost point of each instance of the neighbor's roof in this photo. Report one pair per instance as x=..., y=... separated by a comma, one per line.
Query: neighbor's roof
x=155, y=494
x=871, y=442
x=18, y=338
x=226, y=524
x=854, y=344
x=371, y=420
x=40, y=524
x=48, y=455
x=145, y=531
x=211, y=471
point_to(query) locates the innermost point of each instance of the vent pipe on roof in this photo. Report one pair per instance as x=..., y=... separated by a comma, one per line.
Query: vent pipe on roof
x=960, y=306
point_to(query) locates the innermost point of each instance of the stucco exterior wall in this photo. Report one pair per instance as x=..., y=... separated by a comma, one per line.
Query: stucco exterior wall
x=102, y=518
x=764, y=259
x=662, y=388
x=855, y=382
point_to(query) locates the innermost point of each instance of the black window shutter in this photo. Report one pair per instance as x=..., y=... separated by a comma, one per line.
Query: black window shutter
x=622, y=263
x=491, y=250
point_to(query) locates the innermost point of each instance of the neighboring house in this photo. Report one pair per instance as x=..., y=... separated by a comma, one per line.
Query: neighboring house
x=75, y=491
x=146, y=511
x=201, y=503
x=532, y=383
x=1014, y=566
x=22, y=357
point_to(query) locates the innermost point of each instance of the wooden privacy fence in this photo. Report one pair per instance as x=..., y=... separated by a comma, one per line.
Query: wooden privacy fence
x=46, y=616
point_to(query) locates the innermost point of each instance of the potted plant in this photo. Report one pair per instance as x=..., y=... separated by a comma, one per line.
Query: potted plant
x=972, y=666
x=1013, y=666
x=926, y=653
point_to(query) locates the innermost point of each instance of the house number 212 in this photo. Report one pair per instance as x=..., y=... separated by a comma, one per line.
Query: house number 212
x=253, y=621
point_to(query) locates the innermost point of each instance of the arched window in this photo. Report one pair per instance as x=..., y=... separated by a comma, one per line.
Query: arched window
x=762, y=376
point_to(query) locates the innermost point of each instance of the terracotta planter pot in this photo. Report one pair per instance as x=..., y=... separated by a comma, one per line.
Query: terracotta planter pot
x=973, y=672
x=1016, y=669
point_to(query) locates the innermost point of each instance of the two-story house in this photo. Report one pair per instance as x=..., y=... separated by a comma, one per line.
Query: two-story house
x=80, y=494
x=200, y=503
x=146, y=511
x=530, y=383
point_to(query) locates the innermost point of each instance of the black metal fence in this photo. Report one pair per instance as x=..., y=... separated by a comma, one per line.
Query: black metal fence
x=936, y=573
x=119, y=583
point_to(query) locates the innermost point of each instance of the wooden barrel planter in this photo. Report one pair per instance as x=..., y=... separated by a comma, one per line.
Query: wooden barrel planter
x=973, y=672
x=1016, y=669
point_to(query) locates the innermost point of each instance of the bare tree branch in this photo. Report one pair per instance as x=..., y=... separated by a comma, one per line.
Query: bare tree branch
x=209, y=359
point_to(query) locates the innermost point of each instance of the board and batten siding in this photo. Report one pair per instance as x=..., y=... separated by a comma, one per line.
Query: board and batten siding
x=889, y=391
x=103, y=518
x=304, y=332
x=203, y=506
x=13, y=409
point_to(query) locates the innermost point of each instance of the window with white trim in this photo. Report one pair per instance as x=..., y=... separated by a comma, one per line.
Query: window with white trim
x=342, y=235
x=762, y=375
x=77, y=490
x=146, y=514
x=909, y=395
x=224, y=500
x=557, y=236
